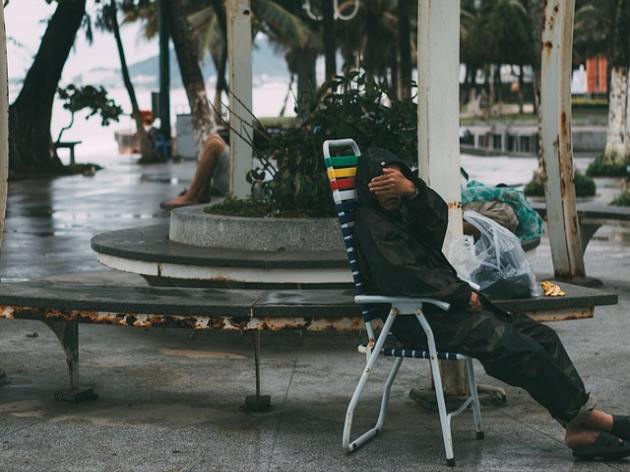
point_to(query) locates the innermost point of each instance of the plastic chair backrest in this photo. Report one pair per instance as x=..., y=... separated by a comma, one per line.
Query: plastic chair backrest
x=342, y=171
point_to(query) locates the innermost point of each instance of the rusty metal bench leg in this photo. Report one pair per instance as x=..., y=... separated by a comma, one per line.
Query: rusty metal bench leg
x=68, y=335
x=257, y=403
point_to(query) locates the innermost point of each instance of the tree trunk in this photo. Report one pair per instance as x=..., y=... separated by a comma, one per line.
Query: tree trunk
x=395, y=77
x=147, y=150
x=499, y=86
x=328, y=25
x=404, y=50
x=617, y=138
x=30, y=150
x=220, y=62
x=490, y=81
x=466, y=86
x=306, y=80
x=618, y=135
x=372, y=44
x=190, y=70
x=521, y=91
x=539, y=172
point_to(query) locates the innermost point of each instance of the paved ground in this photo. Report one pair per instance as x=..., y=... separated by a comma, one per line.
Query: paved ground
x=170, y=401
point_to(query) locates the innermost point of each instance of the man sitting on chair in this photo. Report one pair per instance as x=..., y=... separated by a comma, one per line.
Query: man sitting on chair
x=399, y=230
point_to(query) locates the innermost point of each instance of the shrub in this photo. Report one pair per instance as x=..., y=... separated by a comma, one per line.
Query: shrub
x=235, y=207
x=535, y=187
x=584, y=186
x=622, y=200
x=347, y=106
x=603, y=167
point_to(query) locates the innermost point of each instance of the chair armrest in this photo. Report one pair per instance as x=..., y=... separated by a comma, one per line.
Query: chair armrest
x=473, y=285
x=379, y=299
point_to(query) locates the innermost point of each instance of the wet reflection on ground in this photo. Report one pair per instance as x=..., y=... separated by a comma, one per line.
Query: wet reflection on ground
x=50, y=222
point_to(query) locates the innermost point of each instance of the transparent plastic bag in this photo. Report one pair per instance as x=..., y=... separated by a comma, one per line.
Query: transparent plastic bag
x=461, y=255
x=503, y=271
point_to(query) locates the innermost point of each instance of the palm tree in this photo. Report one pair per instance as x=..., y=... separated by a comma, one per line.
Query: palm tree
x=209, y=31
x=30, y=146
x=281, y=20
x=495, y=32
x=192, y=77
x=372, y=35
x=185, y=51
x=110, y=22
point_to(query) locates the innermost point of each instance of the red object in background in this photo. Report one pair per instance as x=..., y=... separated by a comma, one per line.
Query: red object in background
x=147, y=117
x=596, y=75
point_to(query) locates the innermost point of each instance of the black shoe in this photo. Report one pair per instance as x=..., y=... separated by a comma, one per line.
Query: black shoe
x=606, y=446
x=621, y=427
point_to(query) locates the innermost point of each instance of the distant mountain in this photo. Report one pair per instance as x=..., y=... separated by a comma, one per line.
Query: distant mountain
x=145, y=74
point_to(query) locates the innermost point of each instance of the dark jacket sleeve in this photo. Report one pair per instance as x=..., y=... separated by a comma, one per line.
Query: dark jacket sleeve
x=393, y=269
x=427, y=214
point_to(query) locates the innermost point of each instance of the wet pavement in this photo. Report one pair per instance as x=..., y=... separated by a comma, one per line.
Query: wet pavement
x=170, y=400
x=50, y=222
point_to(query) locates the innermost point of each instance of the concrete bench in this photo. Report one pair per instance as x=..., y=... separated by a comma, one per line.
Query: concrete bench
x=149, y=252
x=62, y=306
x=592, y=217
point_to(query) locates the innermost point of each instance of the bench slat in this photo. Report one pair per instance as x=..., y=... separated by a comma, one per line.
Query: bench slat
x=48, y=297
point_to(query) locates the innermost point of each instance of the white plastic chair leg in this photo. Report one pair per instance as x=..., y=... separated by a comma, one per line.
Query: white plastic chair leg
x=439, y=394
x=347, y=428
x=385, y=399
x=474, y=393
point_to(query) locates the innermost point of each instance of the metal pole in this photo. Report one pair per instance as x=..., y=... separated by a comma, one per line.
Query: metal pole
x=165, y=72
x=438, y=126
x=239, y=22
x=257, y=362
x=257, y=402
x=557, y=48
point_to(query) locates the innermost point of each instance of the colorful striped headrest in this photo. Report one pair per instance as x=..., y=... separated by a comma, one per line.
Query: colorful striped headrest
x=342, y=171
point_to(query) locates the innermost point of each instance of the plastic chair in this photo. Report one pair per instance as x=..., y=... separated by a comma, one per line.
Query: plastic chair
x=341, y=170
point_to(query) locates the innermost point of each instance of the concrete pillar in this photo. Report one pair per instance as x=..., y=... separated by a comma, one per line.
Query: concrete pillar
x=239, y=22
x=557, y=48
x=438, y=125
x=4, y=122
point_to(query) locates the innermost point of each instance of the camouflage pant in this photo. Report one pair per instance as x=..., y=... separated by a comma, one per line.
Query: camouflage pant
x=512, y=348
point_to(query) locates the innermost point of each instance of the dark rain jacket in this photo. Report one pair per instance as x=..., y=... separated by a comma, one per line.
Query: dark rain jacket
x=400, y=253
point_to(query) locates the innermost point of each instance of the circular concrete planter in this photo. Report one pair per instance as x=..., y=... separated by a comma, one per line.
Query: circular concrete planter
x=192, y=226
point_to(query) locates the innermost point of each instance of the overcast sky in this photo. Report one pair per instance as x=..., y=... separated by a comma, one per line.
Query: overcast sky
x=25, y=25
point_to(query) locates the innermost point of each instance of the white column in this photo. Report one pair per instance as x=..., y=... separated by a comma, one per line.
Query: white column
x=239, y=22
x=438, y=103
x=4, y=122
x=557, y=48
x=438, y=124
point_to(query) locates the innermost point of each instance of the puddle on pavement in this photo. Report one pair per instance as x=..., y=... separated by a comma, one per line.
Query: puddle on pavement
x=196, y=354
x=162, y=180
x=79, y=216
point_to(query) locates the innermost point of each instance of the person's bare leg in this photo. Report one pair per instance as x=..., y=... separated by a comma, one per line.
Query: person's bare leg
x=213, y=147
x=587, y=432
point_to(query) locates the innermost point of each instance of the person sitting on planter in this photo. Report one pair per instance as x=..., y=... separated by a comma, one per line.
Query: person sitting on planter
x=399, y=230
x=211, y=175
